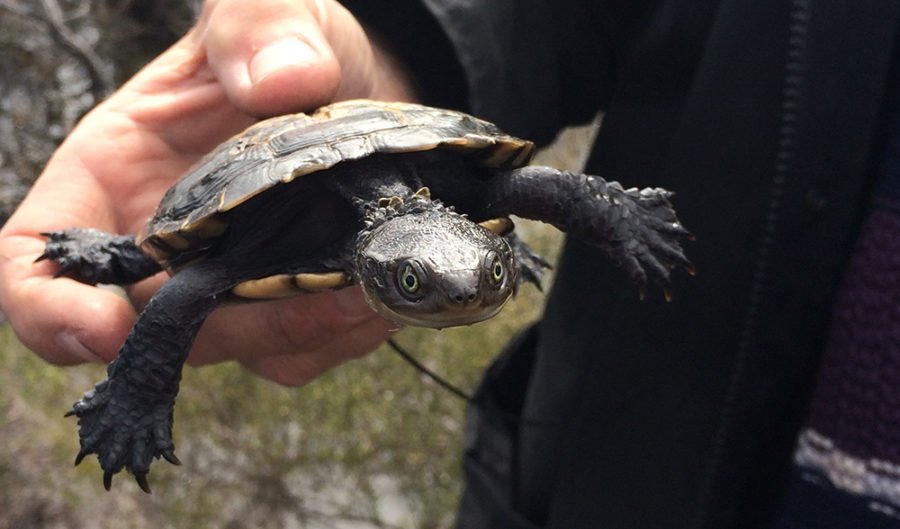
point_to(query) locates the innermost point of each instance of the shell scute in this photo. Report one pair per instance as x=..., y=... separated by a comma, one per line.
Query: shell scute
x=281, y=149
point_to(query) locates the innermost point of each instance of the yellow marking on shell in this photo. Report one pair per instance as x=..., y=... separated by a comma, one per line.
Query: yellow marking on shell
x=423, y=192
x=175, y=240
x=305, y=170
x=503, y=153
x=287, y=285
x=526, y=151
x=351, y=104
x=419, y=147
x=207, y=228
x=271, y=287
x=319, y=282
x=228, y=206
x=342, y=108
x=500, y=226
x=457, y=142
x=154, y=246
x=221, y=206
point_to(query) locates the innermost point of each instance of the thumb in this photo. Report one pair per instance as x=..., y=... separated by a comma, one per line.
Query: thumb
x=271, y=56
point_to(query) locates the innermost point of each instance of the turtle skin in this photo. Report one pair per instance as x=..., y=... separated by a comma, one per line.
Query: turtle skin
x=309, y=196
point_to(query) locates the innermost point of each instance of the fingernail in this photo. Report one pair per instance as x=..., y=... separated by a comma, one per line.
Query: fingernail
x=352, y=302
x=70, y=343
x=279, y=55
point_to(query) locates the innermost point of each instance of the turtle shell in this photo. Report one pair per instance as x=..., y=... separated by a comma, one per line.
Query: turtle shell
x=278, y=150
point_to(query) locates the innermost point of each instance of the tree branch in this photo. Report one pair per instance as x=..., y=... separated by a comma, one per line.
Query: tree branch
x=100, y=73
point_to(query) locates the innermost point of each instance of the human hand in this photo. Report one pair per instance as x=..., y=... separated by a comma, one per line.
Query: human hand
x=241, y=61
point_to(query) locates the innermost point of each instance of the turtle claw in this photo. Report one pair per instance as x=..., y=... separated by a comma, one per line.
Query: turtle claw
x=124, y=431
x=667, y=293
x=92, y=256
x=143, y=483
x=77, y=251
x=48, y=254
x=649, y=238
x=169, y=455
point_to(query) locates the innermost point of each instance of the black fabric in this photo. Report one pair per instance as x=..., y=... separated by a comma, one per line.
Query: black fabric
x=811, y=502
x=763, y=117
x=414, y=37
x=492, y=426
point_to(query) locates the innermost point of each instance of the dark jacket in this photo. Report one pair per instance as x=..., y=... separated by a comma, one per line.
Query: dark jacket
x=763, y=116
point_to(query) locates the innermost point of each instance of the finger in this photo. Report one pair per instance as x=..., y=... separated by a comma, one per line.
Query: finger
x=63, y=321
x=271, y=56
x=306, y=323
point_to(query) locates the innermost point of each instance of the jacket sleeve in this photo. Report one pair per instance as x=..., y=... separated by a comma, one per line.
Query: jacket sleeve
x=531, y=66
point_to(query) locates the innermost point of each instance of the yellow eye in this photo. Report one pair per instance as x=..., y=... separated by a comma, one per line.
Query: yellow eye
x=497, y=271
x=409, y=281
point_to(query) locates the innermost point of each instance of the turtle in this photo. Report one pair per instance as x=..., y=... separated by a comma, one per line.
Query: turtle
x=410, y=202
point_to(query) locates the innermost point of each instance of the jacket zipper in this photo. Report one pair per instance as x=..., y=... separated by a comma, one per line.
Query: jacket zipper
x=793, y=85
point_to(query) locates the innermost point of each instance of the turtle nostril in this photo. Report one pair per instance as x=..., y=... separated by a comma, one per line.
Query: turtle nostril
x=467, y=295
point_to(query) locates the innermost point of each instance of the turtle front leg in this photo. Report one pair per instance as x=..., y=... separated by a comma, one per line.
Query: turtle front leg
x=637, y=228
x=127, y=419
x=93, y=256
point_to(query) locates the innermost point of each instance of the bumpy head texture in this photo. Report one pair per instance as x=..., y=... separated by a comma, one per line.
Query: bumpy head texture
x=421, y=263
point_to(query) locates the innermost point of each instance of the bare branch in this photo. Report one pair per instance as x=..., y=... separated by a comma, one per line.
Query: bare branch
x=100, y=73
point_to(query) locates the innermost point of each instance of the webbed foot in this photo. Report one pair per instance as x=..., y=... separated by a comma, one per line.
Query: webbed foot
x=637, y=228
x=124, y=431
x=645, y=235
x=531, y=265
x=93, y=256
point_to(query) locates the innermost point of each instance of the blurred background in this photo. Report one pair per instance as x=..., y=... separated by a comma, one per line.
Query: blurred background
x=373, y=444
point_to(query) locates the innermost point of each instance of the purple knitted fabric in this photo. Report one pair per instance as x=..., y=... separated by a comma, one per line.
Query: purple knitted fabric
x=857, y=401
x=849, y=450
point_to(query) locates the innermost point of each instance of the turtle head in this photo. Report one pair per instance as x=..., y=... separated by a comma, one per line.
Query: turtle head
x=435, y=269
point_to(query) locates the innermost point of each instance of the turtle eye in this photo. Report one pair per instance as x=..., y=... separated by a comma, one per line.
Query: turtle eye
x=498, y=271
x=409, y=279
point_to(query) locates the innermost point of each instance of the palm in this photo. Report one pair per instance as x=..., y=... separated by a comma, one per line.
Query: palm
x=115, y=166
